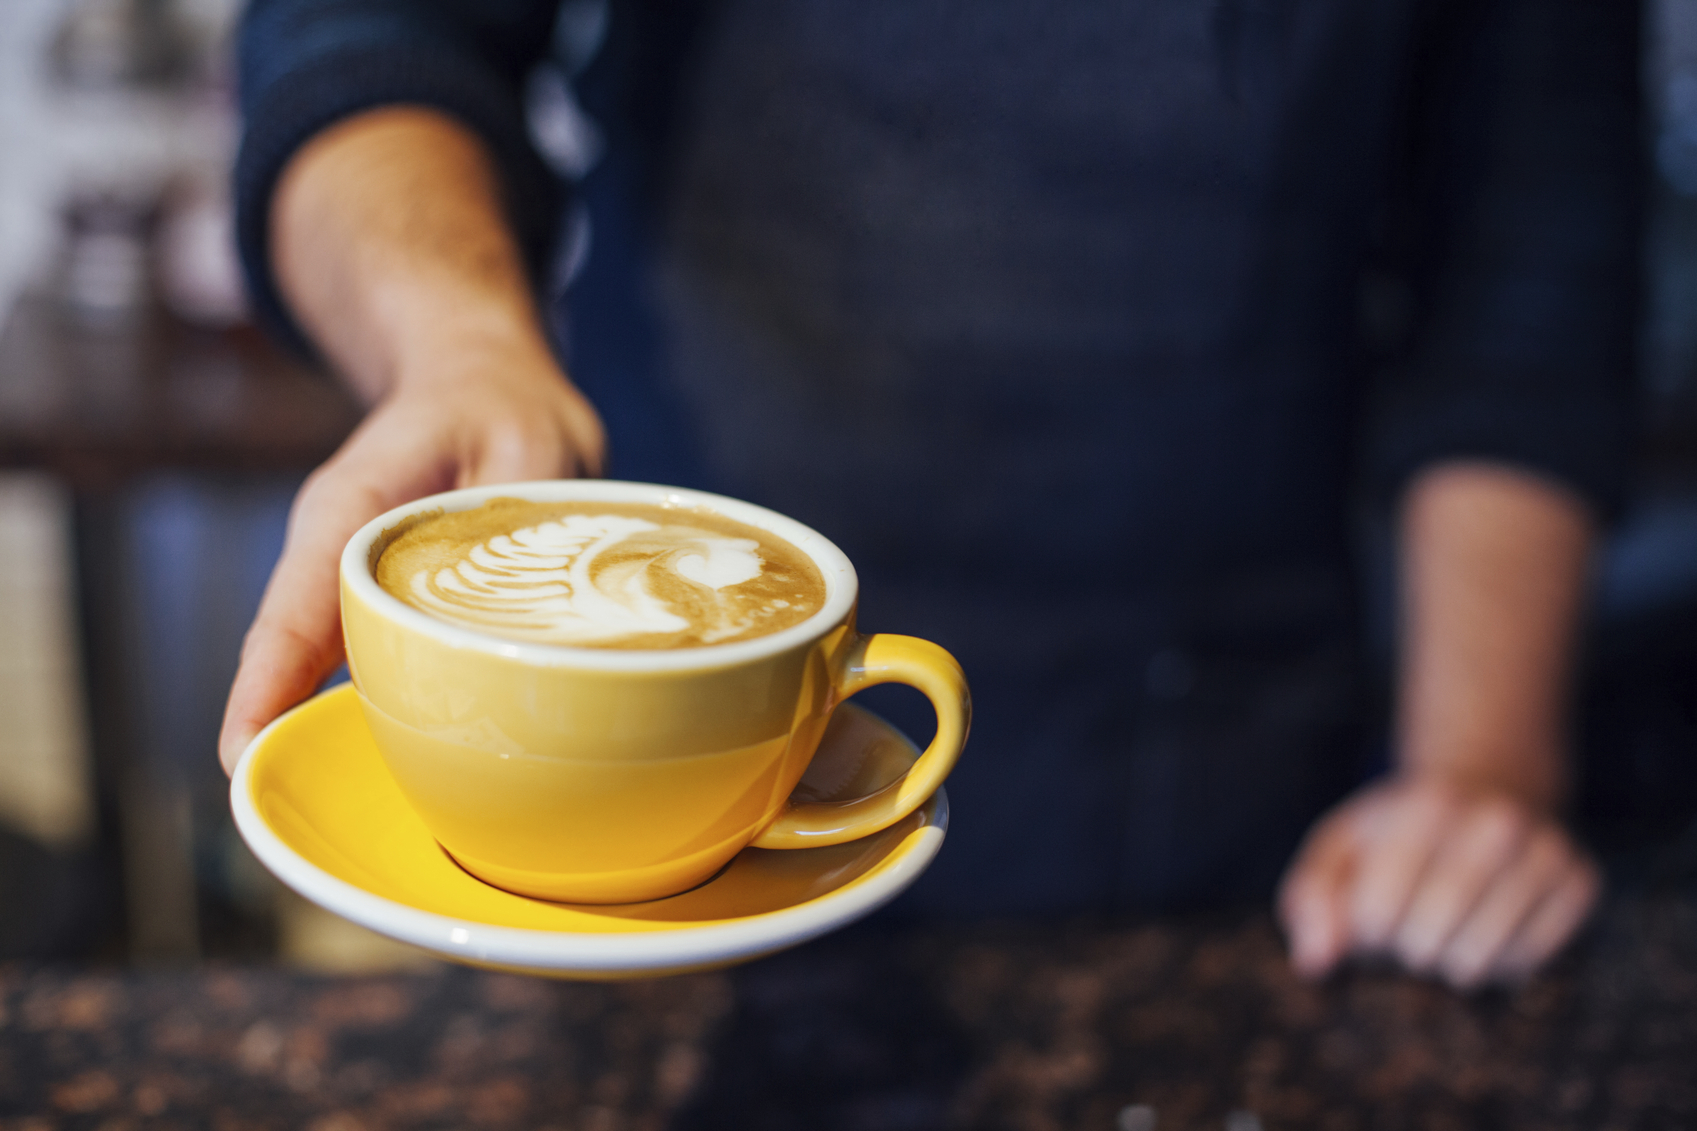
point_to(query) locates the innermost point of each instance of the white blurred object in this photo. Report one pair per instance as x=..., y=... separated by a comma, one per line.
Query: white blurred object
x=106, y=276
x=568, y=139
x=28, y=180
x=1671, y=79
x=44, y=766
x=65, y=138
x=122, y=43
x=200, y=276
x=1136, y=1117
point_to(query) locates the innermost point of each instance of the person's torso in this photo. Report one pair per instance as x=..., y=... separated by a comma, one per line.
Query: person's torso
x=1025, y=304
x=1098, y=259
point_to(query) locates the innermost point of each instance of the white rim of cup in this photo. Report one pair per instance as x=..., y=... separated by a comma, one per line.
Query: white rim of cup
x=841, y=583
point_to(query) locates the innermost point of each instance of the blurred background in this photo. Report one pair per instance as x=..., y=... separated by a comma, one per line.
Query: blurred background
x=150, y=442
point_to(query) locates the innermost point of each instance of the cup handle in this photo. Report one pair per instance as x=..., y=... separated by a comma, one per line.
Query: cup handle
x=886, y=658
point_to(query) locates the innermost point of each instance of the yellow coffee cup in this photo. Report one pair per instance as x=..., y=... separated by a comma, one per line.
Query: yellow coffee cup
x=611, y=776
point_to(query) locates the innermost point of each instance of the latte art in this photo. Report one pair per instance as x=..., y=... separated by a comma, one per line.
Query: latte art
x=601, y=576
x=542, y=582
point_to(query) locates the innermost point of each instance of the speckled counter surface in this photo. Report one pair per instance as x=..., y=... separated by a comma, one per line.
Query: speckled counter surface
x=1000, y=1026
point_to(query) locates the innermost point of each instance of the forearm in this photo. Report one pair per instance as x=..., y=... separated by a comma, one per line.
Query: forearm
x=390, y=246
x=1494, y=566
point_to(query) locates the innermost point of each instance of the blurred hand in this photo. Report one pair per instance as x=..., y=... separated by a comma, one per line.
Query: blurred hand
x=487, y=412
x=1470, y=887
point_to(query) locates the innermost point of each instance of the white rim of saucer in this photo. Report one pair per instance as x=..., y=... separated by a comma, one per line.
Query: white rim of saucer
x=635, y=952
x=841, y=584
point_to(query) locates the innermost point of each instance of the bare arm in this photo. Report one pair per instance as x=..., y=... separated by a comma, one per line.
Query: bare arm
x=1494, y=571
x=1458, y=864
x=390, y=248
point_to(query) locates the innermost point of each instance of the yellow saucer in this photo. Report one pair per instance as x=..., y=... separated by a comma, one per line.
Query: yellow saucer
x=312, y=798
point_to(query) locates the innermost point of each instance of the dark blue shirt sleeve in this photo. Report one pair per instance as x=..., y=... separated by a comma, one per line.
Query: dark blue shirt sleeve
x=304, y=64
x=1520, y=225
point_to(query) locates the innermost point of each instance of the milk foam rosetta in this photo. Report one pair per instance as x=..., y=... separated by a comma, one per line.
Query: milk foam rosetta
x=601, y=575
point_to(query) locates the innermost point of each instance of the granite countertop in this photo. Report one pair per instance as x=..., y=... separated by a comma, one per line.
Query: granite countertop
x=1175, y=1023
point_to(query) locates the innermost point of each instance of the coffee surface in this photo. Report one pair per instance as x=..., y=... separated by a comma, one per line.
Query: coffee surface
x=601, y=575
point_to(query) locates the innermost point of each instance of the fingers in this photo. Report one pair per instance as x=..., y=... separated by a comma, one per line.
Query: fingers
x=1554, y=922
x=561, y=439
x=280, y=666
x=1530, y=911
x=1479, y=848
x=295, y=641
x=1472, y=889
x=516, y=451
x=1314, y=896
x=588, y=437
x=1396, y=850
x=1507, y=893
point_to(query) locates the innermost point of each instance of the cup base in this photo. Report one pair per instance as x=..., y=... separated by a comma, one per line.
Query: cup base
x=584, y=902
x=633, y=885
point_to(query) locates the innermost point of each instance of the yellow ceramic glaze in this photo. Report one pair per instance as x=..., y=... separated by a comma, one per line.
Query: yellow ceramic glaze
x=317, y=782
x=612, y=777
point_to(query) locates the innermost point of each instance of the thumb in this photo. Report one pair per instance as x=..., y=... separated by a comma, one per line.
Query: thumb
x=1313, y=897
x=283, y=662
x=296, y=638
